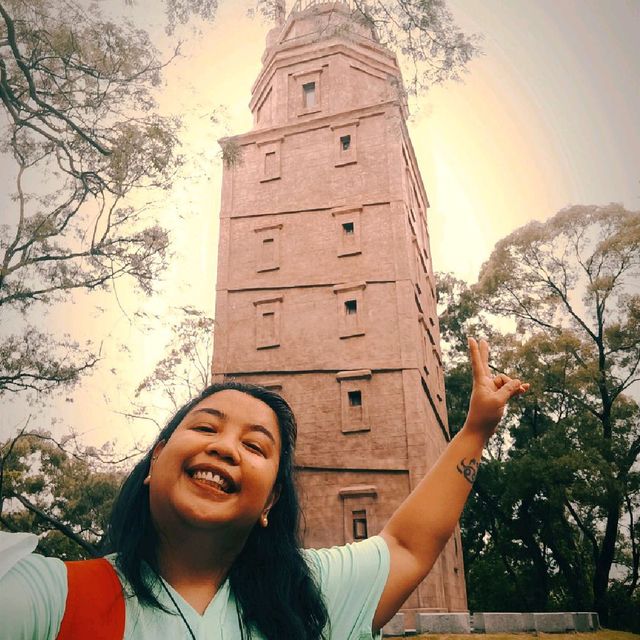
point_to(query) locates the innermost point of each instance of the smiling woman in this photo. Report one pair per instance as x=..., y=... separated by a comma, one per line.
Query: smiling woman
x=203, y=539
x=220, y=493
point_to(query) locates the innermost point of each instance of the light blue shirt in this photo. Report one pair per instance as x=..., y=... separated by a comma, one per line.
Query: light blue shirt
x=33, y=592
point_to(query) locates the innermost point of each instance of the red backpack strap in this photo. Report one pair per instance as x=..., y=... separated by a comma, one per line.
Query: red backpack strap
x=95, y=603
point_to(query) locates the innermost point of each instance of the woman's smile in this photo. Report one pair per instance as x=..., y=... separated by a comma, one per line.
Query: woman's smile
x=214, y=476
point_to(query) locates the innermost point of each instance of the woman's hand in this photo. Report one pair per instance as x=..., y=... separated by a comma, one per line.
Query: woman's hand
x=490, y=393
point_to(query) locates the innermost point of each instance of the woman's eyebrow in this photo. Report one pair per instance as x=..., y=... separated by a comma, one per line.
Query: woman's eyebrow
x=223, y=416
x=213, y=412
x=259, y=427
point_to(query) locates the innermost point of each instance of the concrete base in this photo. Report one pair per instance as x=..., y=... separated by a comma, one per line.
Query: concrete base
x=395, y=626
x=583, y=621
x=459, y=623
x=503, y=622
x=443, y=623
x=553, y=622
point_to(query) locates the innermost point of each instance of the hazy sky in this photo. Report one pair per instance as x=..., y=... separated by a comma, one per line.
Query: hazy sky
x=548, y=117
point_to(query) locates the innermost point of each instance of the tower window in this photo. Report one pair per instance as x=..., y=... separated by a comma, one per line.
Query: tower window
x=270, y=163
x=351, y=309
x=345, y=142
x=268, y=323
x=268, y=251
x=270, y=159
x=309, y=94
x=267, y=248
x=360, y=525
x=355, y=398
x=348, y=228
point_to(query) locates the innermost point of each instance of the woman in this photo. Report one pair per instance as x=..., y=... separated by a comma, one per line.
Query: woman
x=204, y=539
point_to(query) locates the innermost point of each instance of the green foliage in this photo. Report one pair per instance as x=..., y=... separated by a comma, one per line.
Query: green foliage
x=556, y=503
x=63, y=497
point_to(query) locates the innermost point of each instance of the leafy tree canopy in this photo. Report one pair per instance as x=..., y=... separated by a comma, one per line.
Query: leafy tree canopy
x=78, y=123
x=63, y=497
x=557, y=504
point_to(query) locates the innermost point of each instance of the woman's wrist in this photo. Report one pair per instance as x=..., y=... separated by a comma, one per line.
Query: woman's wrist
x=476, y=433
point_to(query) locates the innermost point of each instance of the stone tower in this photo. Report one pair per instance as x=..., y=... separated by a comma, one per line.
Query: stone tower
x=325, y=288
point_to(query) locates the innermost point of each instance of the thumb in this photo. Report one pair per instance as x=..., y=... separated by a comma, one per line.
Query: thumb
x=510, y=389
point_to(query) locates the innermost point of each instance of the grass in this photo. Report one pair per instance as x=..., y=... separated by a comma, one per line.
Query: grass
x=603, y=634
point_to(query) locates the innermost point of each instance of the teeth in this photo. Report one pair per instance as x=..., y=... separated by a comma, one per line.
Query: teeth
x=215, y=478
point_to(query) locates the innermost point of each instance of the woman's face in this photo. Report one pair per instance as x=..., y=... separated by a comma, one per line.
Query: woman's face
x=219, y=467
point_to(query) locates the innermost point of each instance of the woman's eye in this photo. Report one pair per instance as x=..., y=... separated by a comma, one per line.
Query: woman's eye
x=204, y=428
x=254, y=447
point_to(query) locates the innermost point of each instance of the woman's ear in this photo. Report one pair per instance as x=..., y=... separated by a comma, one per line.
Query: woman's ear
x=154, y=456
x=273, y=498
x=157, y=450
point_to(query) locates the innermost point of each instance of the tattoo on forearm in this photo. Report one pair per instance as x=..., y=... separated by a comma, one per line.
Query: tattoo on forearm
x=469, y=469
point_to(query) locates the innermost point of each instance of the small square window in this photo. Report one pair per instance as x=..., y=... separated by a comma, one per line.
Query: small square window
x=351, y=307
x=345, y=140
x=309, y=94
x=360, y=525
x=355, y=398
x=348, y=228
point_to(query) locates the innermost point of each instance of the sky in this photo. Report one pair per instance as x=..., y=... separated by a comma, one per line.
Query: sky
x=546, y=118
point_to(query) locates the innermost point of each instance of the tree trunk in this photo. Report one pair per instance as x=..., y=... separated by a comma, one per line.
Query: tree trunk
x=605, y=560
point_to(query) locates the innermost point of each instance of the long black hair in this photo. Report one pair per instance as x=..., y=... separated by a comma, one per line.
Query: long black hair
x=275, y=591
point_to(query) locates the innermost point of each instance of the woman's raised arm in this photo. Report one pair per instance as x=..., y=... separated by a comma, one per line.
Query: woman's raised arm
x=419, y=529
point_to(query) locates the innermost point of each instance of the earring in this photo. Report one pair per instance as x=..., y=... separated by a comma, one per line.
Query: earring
x=264, y=521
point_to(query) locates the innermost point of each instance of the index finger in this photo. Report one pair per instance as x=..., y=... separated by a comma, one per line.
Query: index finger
x=476, y=359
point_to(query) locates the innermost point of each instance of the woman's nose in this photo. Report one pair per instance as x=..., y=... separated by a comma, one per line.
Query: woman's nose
x=226, y=447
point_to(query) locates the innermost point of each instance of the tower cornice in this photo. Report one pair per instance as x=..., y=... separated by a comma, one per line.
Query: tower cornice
x=269, y=134
x=286, y=56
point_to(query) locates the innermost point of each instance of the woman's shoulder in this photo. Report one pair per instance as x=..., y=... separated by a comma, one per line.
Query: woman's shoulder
x=351, y=578
x=16, y=555
x=373, y=550
x=33, y=589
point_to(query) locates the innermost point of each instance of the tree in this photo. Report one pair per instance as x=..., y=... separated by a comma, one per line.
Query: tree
x=570, y=468
x=78, y=123
x=185, y=368
x=430, y=47
x=63, y=497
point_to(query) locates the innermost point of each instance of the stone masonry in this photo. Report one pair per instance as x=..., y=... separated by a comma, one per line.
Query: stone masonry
x=325, y=288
